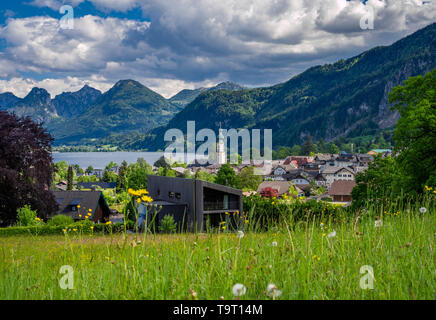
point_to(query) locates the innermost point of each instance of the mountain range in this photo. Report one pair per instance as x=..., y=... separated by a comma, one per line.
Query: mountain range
x=87, y=115
x=347, y=99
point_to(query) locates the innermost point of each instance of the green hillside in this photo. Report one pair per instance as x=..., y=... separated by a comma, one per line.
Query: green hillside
x=127, y=107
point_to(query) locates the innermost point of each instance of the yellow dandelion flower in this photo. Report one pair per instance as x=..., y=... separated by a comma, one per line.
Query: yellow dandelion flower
x=92, y=228
x=224, y=227
x=74, y=230
x=138, y=200
x=246, y=221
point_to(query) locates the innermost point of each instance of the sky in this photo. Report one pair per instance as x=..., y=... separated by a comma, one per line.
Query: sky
x=170, y=45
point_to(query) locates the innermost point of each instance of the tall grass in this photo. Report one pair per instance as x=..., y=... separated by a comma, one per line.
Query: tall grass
x=296, y=255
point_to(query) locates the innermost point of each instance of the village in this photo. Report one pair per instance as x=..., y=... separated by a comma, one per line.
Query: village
x=194, y=203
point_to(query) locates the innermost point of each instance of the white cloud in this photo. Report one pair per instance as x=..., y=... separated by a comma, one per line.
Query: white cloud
x=251, y=42
x=55, y=4
x=118, y=5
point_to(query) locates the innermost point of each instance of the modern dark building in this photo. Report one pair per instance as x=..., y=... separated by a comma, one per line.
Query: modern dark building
x=76, y=203
x=194, y=204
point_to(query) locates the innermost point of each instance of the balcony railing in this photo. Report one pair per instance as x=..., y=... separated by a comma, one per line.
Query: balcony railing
x=213, y=206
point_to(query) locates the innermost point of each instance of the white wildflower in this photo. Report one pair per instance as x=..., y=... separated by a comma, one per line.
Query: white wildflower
x=240, y=234
x=332, y=234
x=273, y=290
x=378, y=223
x=239, y=290
x=423, y=210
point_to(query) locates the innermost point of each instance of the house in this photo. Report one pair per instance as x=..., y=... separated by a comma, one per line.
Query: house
x=320, y=180
x=281, y=187
x=331, y=174
x=345, y=160
x=61, y=185
x=340, y=190
x=374, y=152
x=76, y=203
x=279, y=172
x=297, y=160
x=96, y=185
x=180, y=171
x=97, y=172
x=194, y=204
x=364, y=159
x=299, y=177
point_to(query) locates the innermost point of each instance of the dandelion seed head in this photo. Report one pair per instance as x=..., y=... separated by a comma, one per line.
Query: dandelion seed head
x=332, y=234
x=239, y=290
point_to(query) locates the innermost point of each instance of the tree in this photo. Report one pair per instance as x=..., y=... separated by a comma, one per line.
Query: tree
x=382, y=180
x=78, y=169
x=322, y=147
x=109, y=176
x=415, y=131
x=332, y=148
x=26, y=168
x=296, y=150
x=282, y=152
x=162, y=163
x=166, y=172
x=70, y=178
x=89, y=170
x=307, y=146
x=227, y=176
x=137, y=176
x=123, y=172
x=204, y=175
x=61, y=168
x=248, y=180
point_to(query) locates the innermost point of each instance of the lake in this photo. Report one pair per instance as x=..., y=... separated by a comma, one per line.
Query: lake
x=99, y=160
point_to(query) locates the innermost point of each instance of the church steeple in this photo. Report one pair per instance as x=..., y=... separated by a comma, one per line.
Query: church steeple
x=221, y=152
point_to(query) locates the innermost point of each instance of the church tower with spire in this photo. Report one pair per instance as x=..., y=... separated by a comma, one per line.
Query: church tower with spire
x=221, y=152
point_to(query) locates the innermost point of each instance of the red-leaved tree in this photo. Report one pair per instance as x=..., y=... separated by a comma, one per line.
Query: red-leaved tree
x=26, y=168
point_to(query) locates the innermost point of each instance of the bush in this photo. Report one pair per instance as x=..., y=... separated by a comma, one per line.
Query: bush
x=82, y=227
x=266, y=212
x=60, y=220
x=27, y=217
x=168, y=225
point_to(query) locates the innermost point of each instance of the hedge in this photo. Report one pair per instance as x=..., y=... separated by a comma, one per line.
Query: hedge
x=79, y=227
x=268, y=211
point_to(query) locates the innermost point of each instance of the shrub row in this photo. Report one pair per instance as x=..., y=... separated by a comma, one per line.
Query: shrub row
x=78, y=227
x=267, y=211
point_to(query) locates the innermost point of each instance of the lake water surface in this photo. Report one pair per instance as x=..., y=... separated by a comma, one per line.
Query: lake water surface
x=99, y=160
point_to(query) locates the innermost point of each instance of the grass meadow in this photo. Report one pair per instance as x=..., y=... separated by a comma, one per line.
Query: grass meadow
x=305, y=260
